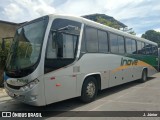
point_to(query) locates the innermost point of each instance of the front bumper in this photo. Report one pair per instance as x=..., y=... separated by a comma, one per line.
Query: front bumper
x=29, y=97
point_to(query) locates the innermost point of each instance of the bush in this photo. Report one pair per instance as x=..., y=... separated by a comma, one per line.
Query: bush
x=3, y=55
x=25, y=50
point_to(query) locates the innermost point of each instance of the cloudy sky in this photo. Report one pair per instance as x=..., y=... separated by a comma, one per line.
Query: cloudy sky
x=141, y=15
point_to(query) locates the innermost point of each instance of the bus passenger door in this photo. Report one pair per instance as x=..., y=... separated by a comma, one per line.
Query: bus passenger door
x=60, y=83
x=59, y=88
x=61, y=49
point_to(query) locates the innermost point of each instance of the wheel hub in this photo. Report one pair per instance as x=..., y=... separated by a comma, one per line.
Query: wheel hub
x=90, y=89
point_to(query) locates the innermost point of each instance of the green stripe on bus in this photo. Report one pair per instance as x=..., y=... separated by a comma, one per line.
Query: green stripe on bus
x=150, y=59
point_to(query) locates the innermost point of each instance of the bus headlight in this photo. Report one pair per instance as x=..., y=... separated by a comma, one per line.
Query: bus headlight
x=30, y=85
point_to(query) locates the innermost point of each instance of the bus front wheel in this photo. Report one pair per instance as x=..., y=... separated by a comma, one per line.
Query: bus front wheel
x=89, y=90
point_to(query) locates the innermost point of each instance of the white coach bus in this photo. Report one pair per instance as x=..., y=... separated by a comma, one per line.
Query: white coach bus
x=57, y=57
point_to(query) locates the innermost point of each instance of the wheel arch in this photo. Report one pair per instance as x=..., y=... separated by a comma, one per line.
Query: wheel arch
x=96, y=75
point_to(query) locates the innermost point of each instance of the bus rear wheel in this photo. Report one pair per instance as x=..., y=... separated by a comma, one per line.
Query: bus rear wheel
x=89, y=90
x=144, y=76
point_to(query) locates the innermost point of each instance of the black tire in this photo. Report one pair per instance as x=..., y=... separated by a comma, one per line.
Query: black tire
x=144, y=76
x=2, y=81
x=89, y=90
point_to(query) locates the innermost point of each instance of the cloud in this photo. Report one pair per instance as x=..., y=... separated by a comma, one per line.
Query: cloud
x=12, y=10
x=140, y=15
x=118, y=9
x=157, y=29
x=139, y=35
x=38, y=7
x=80, y=7
x=25, y=10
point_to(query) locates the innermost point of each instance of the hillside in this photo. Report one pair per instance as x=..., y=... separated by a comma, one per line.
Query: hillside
x=106, y=20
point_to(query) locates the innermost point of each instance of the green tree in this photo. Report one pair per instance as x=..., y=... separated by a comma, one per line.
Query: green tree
x=113, y=24
x=109, y=21
x=152, y=35
x=3, y=56
x=129, y=30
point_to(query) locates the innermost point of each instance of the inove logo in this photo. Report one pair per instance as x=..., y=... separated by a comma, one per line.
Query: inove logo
x=128, y=62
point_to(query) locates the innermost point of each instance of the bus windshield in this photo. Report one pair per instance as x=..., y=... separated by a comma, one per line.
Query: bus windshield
x=26, y=48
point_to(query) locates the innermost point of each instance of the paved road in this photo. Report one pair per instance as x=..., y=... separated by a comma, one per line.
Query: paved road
x=132, y=96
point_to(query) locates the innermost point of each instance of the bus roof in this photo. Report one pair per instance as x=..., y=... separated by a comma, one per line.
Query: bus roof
x=101, y=26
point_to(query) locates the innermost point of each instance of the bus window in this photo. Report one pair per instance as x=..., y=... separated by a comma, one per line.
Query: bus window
x=121, y=45
x=139, y=47
x=51, y=50
x=91, y=39
x=155, y=50
x=103, y=41
x=69, y=45
x=148, y=49
x=113, y=43
x=143, y=48
x=128, y=46
x=134, y=50
x=62, y=44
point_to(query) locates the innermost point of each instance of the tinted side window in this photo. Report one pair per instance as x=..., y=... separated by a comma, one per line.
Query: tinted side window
x=143, y=48
x=139, y=47
x=155, y=50
x=62, y=44
x=148, y=49
x=134, y=51
x=121, y=44
x=91, y=39
x=103, y=42
x=128, y=46
x=113, y=43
